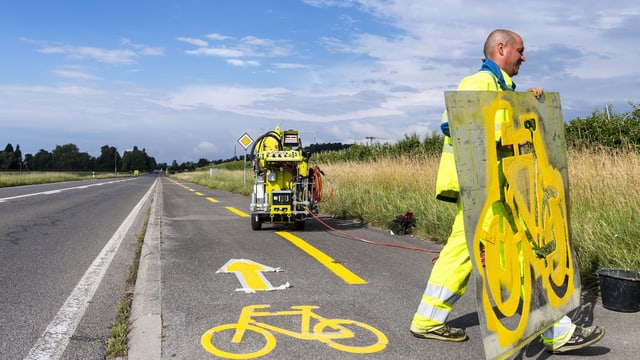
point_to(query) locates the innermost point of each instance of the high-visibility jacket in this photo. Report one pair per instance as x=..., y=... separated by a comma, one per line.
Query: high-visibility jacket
x=447, y=188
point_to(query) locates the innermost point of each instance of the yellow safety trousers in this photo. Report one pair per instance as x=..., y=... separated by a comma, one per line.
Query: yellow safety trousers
x=450, y=273
x=448, y=280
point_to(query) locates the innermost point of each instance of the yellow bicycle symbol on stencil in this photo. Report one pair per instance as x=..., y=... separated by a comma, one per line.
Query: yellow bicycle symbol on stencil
x=341, y=334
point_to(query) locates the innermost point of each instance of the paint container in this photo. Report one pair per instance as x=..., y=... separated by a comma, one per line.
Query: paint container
x=620, y=289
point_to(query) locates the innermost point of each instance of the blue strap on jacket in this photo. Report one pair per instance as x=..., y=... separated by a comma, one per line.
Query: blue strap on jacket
x=445, y=128
x=492, y=67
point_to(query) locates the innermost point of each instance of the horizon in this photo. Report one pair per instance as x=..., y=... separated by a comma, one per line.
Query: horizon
x=186, y=79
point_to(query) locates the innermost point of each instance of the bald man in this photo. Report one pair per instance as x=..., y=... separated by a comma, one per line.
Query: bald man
x=504, y=53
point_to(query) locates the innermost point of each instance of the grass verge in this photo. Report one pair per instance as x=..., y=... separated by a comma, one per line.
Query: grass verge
x=119, y=330
x=20, y=178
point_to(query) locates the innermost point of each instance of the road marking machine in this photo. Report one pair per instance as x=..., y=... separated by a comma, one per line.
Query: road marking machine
x=286, y=189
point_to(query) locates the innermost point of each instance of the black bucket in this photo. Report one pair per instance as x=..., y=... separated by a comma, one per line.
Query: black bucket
x=620, y=289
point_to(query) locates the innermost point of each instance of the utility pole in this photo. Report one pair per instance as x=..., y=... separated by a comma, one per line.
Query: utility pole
x=371, y=138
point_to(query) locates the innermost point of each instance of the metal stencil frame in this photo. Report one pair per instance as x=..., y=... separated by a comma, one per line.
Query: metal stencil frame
x=511, y=163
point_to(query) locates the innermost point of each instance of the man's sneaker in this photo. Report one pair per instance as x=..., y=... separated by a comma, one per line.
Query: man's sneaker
x=444, y=333
x=582, y=337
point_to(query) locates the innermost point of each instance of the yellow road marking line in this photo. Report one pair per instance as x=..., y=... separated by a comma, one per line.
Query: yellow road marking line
x=199, y=193
x=340, y=270
x=212, y=200
x=237, y=212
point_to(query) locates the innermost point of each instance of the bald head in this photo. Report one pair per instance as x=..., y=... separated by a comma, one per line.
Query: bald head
x=499, y=36
x=505, y=48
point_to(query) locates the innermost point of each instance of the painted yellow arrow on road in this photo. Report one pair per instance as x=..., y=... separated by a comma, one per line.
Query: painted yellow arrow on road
x=249, y=273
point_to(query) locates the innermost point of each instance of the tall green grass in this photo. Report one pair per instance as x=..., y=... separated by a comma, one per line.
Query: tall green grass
x=19, y=178
x=376, y=192
x=605, y=208
x=604, y=201
x=223, y=179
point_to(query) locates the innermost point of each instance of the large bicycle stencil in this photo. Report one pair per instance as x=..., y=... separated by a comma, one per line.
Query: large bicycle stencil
x=252, y=338
x=512, y=169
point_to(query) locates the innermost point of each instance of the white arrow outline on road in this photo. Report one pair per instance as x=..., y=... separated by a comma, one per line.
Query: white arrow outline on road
x=249, y=273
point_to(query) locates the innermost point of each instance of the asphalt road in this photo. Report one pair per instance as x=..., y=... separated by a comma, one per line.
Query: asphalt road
x=200, y=261
x=49, y=237
x=376, y=285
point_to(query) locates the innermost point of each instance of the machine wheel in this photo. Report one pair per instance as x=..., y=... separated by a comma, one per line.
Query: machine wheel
x=299, y=225
x=256, y=223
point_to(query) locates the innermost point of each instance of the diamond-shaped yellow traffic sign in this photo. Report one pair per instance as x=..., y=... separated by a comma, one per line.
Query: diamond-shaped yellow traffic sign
x=245, y=140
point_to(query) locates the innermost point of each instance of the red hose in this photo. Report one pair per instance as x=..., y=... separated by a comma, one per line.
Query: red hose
x=369, y=241
x=316, y=186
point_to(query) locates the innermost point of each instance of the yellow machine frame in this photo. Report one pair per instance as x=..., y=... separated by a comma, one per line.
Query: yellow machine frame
x=283, y=188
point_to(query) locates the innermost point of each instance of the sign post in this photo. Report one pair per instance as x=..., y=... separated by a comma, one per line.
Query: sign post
x=245, y=140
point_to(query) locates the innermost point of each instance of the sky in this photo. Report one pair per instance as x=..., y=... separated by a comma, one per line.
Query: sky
x=184, y=80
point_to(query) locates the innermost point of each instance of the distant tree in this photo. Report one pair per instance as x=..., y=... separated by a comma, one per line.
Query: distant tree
x=28, y=159
x=5, y=157
x=108, y=159
x=18, y=157
x=188, y=166
x=318, y=148
x=137, y=160
x=11, y=159
x=605, y=129
x=409, y=145
x=203, y=163
x=151, y=163
x=41, y=161
x=174, y=167
x=68, y=157
x=433, y=144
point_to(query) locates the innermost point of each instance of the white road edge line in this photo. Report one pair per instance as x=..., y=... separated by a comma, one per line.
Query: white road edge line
x=57, y=191
x=145, y=319
x=53, y=342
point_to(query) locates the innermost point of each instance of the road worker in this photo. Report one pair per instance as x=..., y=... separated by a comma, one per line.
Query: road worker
x=504, y=53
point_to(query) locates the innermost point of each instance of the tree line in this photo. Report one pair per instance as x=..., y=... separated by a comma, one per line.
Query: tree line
x=69, y=158
x=602, y=129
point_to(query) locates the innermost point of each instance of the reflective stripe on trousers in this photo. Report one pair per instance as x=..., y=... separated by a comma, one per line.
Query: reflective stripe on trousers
x=448, y=279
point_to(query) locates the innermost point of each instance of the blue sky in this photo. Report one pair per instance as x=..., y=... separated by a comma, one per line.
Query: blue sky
x=185, y=79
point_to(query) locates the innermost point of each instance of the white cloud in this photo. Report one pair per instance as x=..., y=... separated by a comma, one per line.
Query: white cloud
x=117, y=56
x=243, y=63
x=290, y=66
x=107, y=56
x=205, y=148
x=193, y=41
x=74, y=72
x=246, y=47
x=254, y=46
x=221, y=98
x=219, y=52
x=215, y=36
x=330, y=3
x=143, y=49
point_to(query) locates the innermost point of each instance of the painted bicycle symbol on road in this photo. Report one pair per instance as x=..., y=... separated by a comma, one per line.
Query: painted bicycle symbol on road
x=341, y=334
